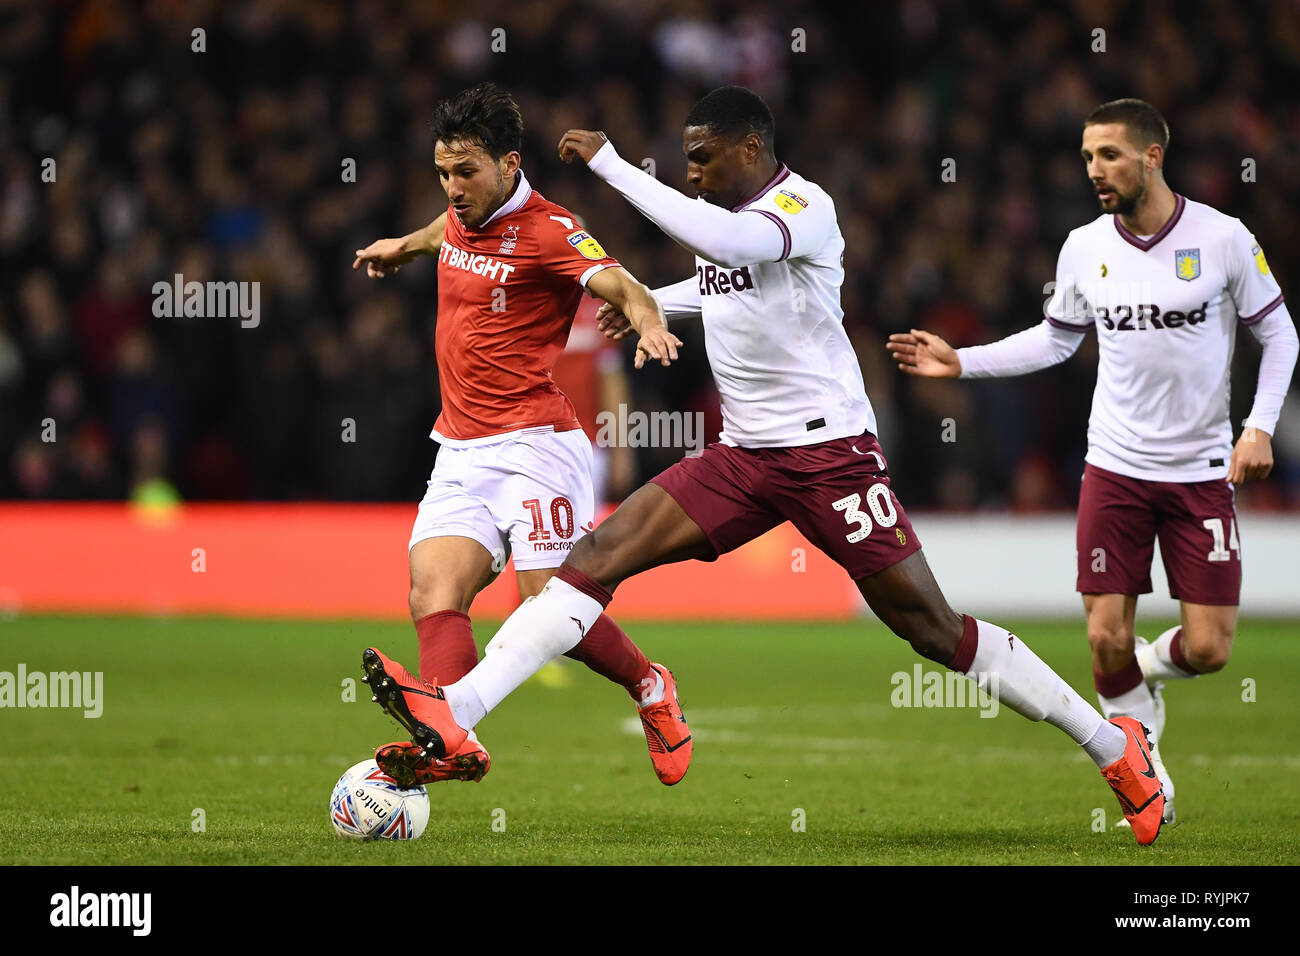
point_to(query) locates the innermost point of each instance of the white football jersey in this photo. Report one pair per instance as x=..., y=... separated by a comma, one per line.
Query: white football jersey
x=1166, y=309
x=786, y=372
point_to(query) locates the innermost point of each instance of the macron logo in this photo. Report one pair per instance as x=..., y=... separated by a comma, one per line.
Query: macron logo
x=102, y=909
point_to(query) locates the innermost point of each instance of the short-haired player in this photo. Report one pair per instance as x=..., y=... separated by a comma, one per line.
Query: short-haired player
x=798, y=444
x=1165, y=282
x=514, y=470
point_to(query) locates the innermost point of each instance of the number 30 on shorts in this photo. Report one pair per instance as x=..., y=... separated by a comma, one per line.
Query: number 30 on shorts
x=878, y=501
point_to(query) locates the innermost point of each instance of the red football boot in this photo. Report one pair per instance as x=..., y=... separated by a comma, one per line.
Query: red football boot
x=420, y=708
x=407, y=764
x=666, y=732
x=1136, y=785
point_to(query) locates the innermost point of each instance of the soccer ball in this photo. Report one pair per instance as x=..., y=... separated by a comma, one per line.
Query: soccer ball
x=367, y=804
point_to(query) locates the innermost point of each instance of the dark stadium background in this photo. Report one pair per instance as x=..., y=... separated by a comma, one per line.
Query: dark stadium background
x=225, y=165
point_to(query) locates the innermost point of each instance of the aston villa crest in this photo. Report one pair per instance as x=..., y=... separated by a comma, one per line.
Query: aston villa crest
x=1187, y=263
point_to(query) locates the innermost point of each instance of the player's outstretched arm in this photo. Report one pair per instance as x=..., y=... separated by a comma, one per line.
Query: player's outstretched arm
x=924, y=353
x=681, y=300
x=1040, y=346
x=385, y=256
x=634, y=300
x=731, y=239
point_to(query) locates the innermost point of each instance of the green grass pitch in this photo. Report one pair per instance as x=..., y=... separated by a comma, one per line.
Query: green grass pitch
x=247, y=721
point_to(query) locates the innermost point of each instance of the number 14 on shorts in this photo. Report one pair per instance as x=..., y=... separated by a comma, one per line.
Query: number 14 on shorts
x=1215, y=527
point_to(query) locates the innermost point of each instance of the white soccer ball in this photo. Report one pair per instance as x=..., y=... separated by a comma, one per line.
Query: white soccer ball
x=367, y=804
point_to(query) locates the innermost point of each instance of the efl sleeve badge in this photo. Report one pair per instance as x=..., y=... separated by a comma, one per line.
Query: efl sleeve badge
x=1259, y=259
x=792, y=203
x=586, y=244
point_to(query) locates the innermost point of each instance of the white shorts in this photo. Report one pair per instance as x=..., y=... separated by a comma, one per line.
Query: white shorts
x=530, y=495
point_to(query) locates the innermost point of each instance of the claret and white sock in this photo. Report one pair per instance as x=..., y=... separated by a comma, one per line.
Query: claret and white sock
x=1005, y=667
x=1163, y=658
x=1124, y=693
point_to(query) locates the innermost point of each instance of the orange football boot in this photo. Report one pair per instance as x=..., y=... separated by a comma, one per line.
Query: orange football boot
x=410, y=767
x=666, y=732
x=1133, y=778
x=421, y=708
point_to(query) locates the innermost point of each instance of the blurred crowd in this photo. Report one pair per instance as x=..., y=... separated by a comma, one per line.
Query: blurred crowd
x=222, y=155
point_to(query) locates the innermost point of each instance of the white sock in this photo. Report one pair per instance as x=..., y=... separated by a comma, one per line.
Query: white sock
x=655, y=692
x=1107, y=745
x=466, y=707
x=540, y=630
x=1137, y=702
x=1156, y=661
x=1006, y=668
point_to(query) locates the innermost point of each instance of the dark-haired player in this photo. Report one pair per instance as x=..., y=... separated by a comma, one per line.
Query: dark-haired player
x=1165, y=281
x=513, y=472
x=798, y=444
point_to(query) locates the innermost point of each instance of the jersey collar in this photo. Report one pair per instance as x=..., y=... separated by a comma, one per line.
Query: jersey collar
x=780, y=174
x=515, y=202
x=1146, y=244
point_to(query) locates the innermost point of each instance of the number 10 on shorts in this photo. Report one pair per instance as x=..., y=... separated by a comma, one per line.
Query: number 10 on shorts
x=563, y=527
x=1215, y=527
x=882, y=509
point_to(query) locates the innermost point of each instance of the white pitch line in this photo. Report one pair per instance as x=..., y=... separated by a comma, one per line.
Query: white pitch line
x=1290, y=761
x=831, y=745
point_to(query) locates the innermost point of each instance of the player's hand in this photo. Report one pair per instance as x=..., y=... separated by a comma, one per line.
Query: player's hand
x=1252, y=457
x=582, y=143
x=922, y=353
x=612, y=322
x=384, y=257
x=659, y=344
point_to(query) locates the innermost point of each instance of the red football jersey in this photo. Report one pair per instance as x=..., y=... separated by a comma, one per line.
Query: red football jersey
x=507, y=294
